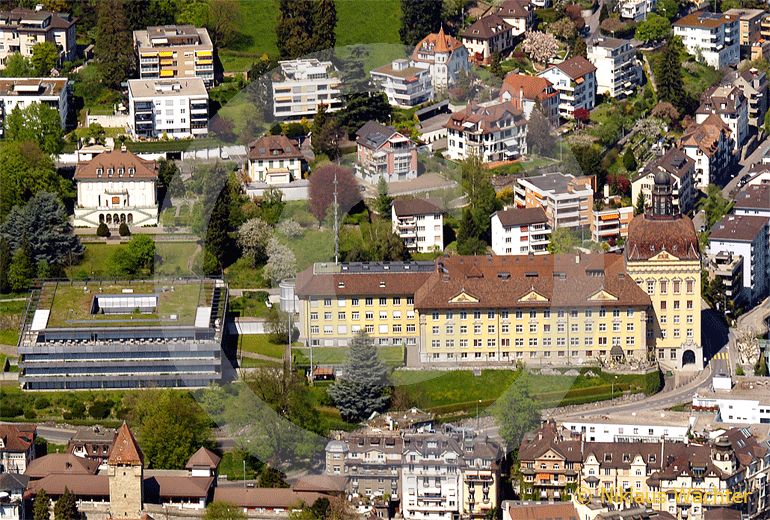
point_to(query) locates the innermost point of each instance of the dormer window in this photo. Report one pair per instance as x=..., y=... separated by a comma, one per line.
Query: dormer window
x=121, y=171
x=110, y=172
x=99, y=172
x=131, y=171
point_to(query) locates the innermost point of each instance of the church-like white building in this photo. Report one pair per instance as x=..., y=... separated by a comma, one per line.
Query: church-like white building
x=116, y=187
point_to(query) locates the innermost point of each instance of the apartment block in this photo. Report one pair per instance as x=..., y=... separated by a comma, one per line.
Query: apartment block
x=175, y=51
x=493, y=132
x=23, y=92
x=384, y=153
x=575, y=79
x=753, y=83
x=302, y=86
x=567, y=200
x=753, y=199
x=487, y=36
x=637, y=426
x=728, y=267
x=526, y=92
x=445, y=56
x=681, y=171
x=550, y=460
x=710, y=145
x=419, y=223
x=175, y=108
x=729, y=103
x=610, y=220
x=21, y=29
x=750, y=25
x=405, y=84
x=618, y=71
x=86, y=335
x=712, y=37
x=637, y=10
x=520, y=231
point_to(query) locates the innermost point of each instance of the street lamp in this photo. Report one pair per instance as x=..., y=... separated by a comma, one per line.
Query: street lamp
x=612, y=389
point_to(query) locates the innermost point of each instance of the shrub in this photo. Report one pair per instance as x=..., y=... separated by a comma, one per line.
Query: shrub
x=42, y=403
x=103, y=230
x=123, y=230
x=77, y=409
x=100, y=409
x=30, y=413
x=11, y=410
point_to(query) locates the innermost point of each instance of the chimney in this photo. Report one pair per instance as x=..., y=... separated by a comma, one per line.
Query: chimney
x=577, y=258
x=123, y=148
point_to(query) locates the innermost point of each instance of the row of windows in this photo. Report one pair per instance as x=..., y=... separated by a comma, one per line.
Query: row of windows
x=355, y=302
x=676, y=286
x=677, y=333
x=341, y=316
x=381, y=329
x=532, y=342
x=533, y=328
x=520, y=355
x=533, y=314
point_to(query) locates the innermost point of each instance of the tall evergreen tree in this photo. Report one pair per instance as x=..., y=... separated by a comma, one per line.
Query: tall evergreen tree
x=294, y=30
x=324, y=25
x=580, y=49
x=418, y=19
x=668, y=77
x=113, y=49
x=640, y=205
x=383, y=202
x=360, y=390
x=5, y=264
x=41, y=510
x=66, y=507
x=629, y=161
x=217, y=201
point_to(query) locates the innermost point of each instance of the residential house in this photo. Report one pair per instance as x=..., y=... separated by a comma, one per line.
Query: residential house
x=567, y=200
x=753, y=199
x=384, y=153
x=93, y=444
x=527, y=91
x=22, y=92
x=618, y=72
x=275, y=159
x=520, y=231
x=431, y=476
x=116, y=187
x=419, y=223
x=479, y=474
x=575, y=79
x=712, y=37
x=445, y=56
x=750, y=21
x=710, y=145
x=302, y=86
x=17, y=447
x=493, y=132
x=681, y=170
x=550, y=460
x=729, y=103
x=486, y=36
x=173, y=108
x=728, y=267
x=12, y=505
x=405, y=84
x=516, y=13
x=610, y=219
x=753, y=84
x=636, y=10
x=175, y=51
x=21, y=29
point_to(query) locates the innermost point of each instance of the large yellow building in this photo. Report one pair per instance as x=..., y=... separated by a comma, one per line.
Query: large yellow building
x=663, y=257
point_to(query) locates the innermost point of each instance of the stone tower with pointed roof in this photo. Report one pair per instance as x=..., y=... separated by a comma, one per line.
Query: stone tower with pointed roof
x=126, y=475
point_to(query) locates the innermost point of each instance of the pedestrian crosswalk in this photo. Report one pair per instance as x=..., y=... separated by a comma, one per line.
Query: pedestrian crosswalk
x=722, y=355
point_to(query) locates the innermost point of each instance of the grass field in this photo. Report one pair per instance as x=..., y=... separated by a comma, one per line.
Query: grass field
x=10, y=320
x=251, y=304
x=261, y=344
x=315, y=245
x=175, y=258
x=391, y=356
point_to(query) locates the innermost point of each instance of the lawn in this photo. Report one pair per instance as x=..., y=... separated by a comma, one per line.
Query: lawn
x=697, y=77
x=175, y=258
x=315, y=245
x=10, y=320
x=391, y=356
x=261, y=344
x=259, y=363
x=251, y=304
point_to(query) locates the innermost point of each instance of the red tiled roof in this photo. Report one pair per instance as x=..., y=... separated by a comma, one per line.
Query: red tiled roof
x=125, y=449
x=265, y=498
x=17, y=437
x=486, y=27
x=575, y=67
x=530, y=87
x=487, y=117
x=61, y=463
x=203, y=457
x=564, y=511
x=115, y=160
x=649, y=236
x=437, y=43
x=359, y=284
x=274, y=147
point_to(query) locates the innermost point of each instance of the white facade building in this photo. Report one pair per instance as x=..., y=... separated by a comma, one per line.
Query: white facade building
x=116, y=187
x=636, y=10
x=486, y=36
x=23, y=92
x=681, y=171
x=21, y=29
x=419, y=223
x=405, y=84
x=575, y=79
x=495, y=132
x=746, y=400
x=445, y=56
x=430, y=477
x=567, y=200
x=520, y=231
x=709, y=144
x=175, y=108
x=712, y=37
x=618, y=72
x=729, y=103
x=304, y=85
x=274, y=159
x=640, y=426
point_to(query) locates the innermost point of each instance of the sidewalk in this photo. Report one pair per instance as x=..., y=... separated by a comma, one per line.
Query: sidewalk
x=756, y=318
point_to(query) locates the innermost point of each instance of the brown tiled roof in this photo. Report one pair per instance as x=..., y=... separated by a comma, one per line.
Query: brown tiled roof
x=704, y=19
x=409, y=73
x=405, y=207
x=361, y=284
x=521, y=216
x=530, y=87
x=58, y=20
x=486, y=116
x=203, y=457
x=17, y=437
x=61, y=463
x=529, y=281
x=548, y=438
x=674, y=161
x=436, y=42
x=648, y=236
x=512, y=9
x=82, y=486
x=558, y=511
x=266, y=498
x=620, y=455
x=721, y=100
x=486, y=27
x=274, y=147
x=116, y=159
x=705, y=135
x=321, y=483
x=753, y=196
x=738, y=228
x=125, y=449
x=158, y=487
x=575, y=67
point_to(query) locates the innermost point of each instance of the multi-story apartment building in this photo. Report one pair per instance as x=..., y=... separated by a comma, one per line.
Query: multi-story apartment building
x=729, y=103
x=636, y=10
x=536, y=309
x=753, y=199
x=663, y=258
x=275, y=159
x=371, y=460
x=618, y=72
x=520, y=231
x=750, y=21
x=21, y=29
x=516, y=13
x=303, y=85
x=17, y=447
x=445, y=56
x=710, y=145
x=405, y=84
x=431, y=476
x=727, y=267
x=753, y=84
x=337, y=301
x=550, y=460
x=636, y=426
x=527, y=92
x=610, y=219
x=419, y=223
x=87, y=335
x=479, y=475
x=681, y=170
x=23, y=92
x=575, y=79
x=619, y=466
x=175, y=108
x=567, y=200
x=712, y=37
x=175, y=51
x=487, y=36
x=496, y=132
x=747, y=236
x=384, y=153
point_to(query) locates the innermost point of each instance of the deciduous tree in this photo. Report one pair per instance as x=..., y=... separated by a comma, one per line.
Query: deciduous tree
x=219, y=510
x=540, y=139
x=37, y=123
x=281, y=262
x=418, y=19
x=45, y=55
x=563, y=240
x=539, y=46
x=24, y=171
x=322, y=190
x=654, y=28
x=18, y=66
x=516, y=413
x=253, y=238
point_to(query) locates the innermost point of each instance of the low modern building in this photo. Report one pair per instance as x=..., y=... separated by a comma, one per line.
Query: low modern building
x=681, y=170
x=618, y=71
x=114, y=188
x=487, y=36
x=729, y=103
x=174, y=108
x=567, y=200
x=175, y=51
x=493, y=132
x=23, y=92
x=275, y=159
x=527, y=92
x=753, y=83
x=302, y=86
x=575, y=79
x=445, y=56
x=636, y=10
x=132, y=334
x=21, y=29
x=405, y=84
x=17, y=447
x=635, y=427
x=419, y=223
x=713, y=37
x=710, y=145
x=384, y=153
x=739, y=400
x=750, y=21
x=520, y=231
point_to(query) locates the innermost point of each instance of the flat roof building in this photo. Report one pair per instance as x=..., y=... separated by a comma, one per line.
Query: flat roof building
x=175, y=108
x=175, y=51
x=23, y=92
